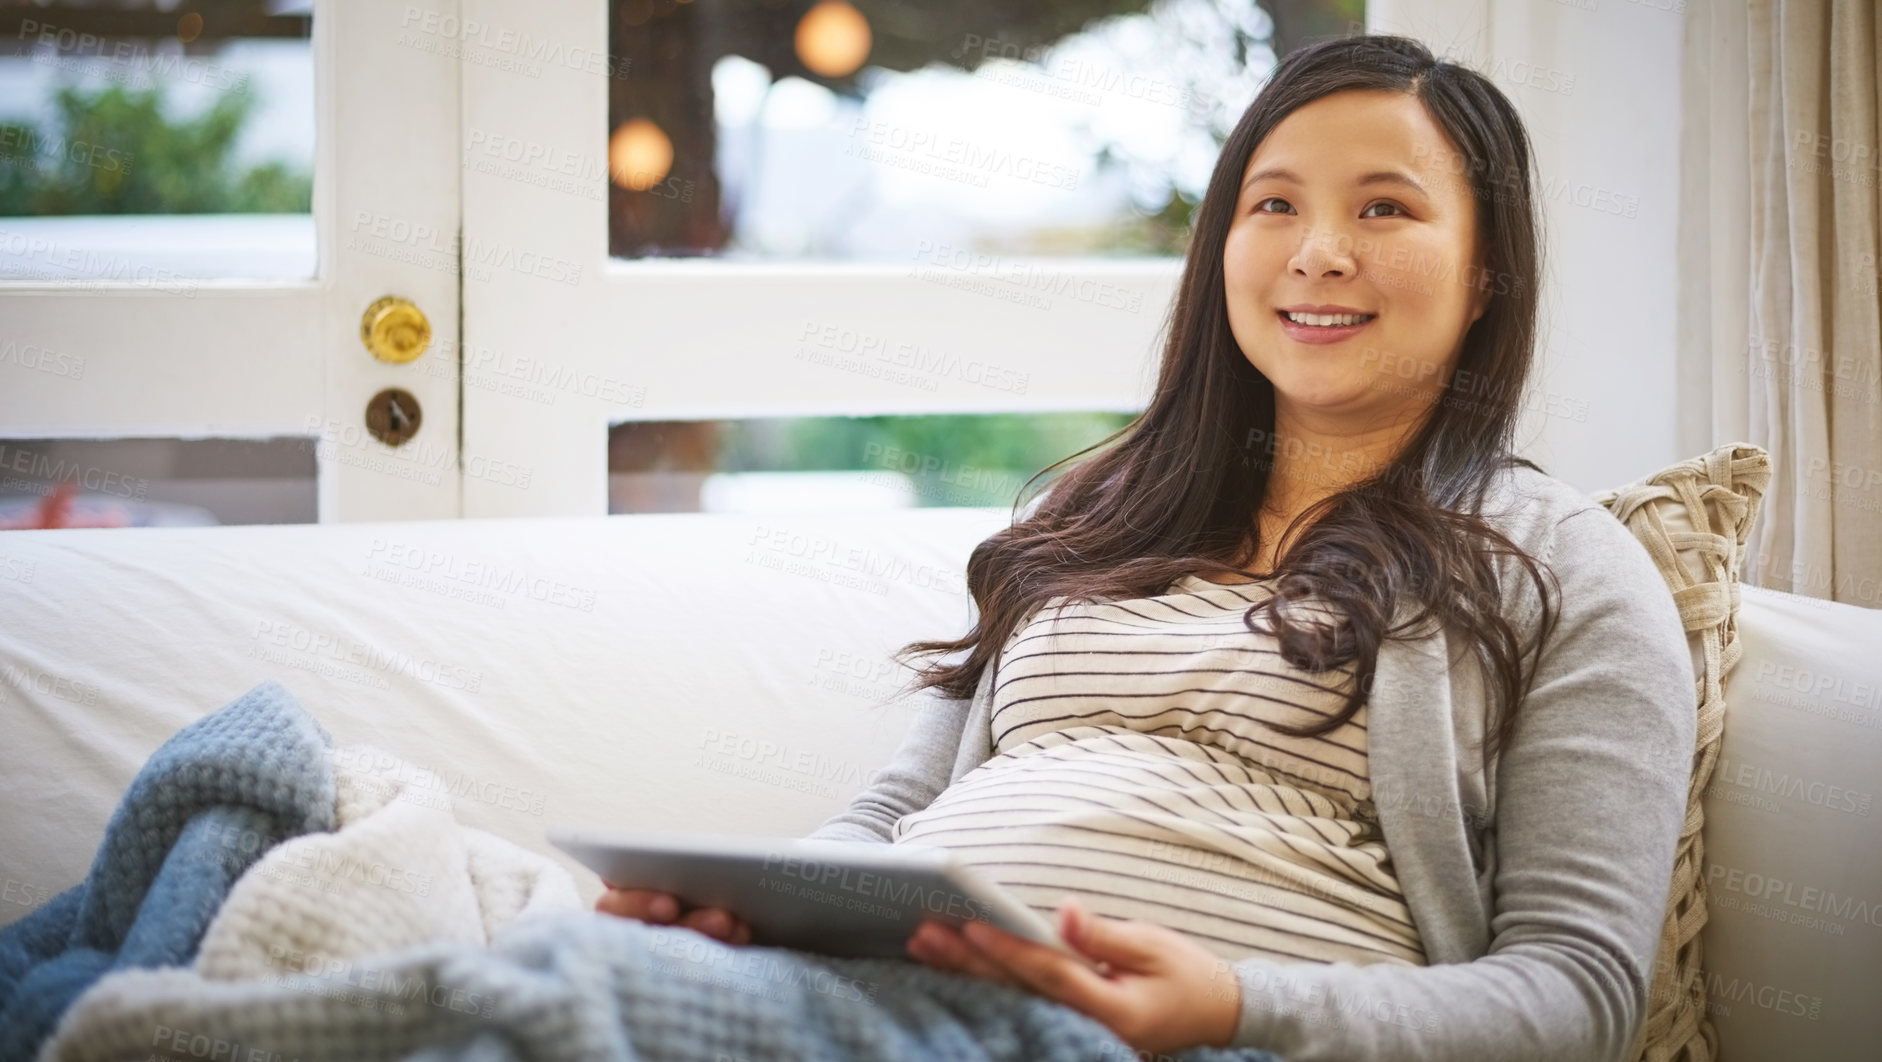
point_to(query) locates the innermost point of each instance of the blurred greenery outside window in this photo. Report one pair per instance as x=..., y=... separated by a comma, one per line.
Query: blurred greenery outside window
x=118, y=150
x=977, y=460
x=128, y=107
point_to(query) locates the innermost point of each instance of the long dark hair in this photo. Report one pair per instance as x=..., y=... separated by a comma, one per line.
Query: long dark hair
x=1180, y=490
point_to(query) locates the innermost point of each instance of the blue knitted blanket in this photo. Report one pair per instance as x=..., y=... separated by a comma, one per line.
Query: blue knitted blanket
x=567, y=987
x=205, y=806
x=581, y=987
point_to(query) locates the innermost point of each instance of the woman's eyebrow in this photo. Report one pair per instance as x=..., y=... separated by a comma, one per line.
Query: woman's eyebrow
x=1376, y=177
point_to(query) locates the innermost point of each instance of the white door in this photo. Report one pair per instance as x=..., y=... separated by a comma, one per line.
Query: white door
x=167, y=356
x=563, y=341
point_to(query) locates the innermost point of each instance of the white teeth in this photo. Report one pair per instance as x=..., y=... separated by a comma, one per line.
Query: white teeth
x=1327, y=320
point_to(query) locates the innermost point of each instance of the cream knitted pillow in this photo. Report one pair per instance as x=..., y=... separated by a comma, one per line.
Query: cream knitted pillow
x=1694, y=519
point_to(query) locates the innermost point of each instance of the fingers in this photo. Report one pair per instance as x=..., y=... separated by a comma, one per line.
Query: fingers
x=717, y=923
x=1047, y=971
x=644, y=905
x=663, y=908
x=1109, y=940
x=943, y=948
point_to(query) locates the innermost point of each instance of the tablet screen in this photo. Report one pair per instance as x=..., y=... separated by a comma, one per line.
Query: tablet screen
x=843, y=898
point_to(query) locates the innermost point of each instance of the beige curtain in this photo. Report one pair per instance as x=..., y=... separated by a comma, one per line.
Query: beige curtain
x=1778, y=308
x=1812, y=359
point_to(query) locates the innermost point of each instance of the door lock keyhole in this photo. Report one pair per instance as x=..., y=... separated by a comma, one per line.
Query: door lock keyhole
x=393, y=416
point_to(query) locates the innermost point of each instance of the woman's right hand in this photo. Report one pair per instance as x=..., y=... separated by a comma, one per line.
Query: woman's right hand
x=664, y=908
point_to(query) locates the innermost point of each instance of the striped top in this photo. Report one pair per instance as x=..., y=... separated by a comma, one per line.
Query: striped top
x=1134, y=768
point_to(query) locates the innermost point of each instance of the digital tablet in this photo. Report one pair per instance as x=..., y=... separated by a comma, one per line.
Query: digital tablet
x=843, y=898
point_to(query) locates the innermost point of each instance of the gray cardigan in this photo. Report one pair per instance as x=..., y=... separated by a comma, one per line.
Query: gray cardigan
x=1538, y=885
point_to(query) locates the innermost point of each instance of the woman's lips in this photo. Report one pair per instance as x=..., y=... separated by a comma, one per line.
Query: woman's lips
x=1319, y=334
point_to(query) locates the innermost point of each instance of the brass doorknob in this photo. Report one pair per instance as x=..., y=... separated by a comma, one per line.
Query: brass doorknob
x=394, y=330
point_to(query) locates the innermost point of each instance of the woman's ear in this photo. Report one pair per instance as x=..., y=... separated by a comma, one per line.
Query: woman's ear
x=1480, y=299
x=1480, y=271
x=1479, y=303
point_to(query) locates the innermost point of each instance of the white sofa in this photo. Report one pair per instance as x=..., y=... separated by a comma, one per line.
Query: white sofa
x=731, y=674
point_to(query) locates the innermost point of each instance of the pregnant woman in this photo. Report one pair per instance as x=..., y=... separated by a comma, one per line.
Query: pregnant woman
x=1330, y=726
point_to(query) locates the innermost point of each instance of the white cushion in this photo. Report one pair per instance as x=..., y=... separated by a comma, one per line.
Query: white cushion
x=1793, y=836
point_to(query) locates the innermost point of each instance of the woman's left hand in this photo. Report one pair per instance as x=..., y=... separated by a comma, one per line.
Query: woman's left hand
x=1160, y=992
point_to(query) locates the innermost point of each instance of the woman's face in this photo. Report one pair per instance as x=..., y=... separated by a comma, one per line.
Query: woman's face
x=1355, y=200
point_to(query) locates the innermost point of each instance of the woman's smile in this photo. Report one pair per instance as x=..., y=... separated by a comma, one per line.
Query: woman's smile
x=1323, y=328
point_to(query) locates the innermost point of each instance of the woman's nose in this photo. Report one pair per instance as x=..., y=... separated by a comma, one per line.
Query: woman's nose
x=1323, y=253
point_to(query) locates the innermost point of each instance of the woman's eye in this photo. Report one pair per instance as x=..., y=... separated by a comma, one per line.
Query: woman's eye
x=1265, y=202
x=1386, y=203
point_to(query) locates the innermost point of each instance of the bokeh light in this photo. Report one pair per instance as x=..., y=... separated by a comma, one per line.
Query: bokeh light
x=833, y=39
x=639, y=155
